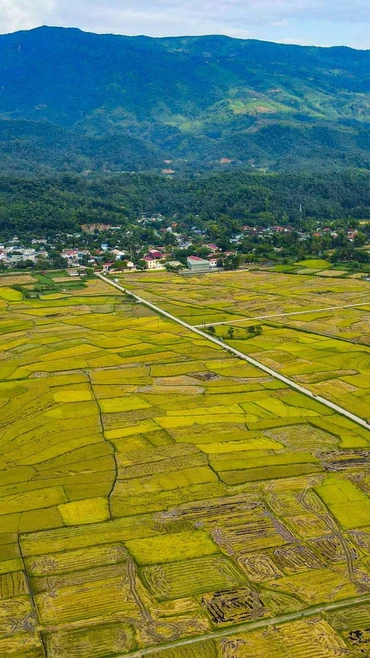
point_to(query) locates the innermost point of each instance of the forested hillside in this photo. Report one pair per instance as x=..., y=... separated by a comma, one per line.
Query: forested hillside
x=70, y=100
x=64, y=202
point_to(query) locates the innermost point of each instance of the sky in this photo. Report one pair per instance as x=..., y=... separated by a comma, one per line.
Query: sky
x=308, y=22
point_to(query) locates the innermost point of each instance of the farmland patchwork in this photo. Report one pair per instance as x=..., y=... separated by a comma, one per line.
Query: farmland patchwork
x=155, y=489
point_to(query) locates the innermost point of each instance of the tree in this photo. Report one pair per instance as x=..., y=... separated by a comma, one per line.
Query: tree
x=360, y=239
x=211, y=330
x=121, y=264
x=59, y=263
x=232, y=262
x=173, y=268
x=350, y=254
x=255, y=330
x=230, y=333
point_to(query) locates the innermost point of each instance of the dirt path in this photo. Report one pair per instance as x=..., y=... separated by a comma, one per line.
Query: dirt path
x=251, y=626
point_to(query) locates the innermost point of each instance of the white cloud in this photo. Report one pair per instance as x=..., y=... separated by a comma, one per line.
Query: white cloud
x=24, y=14
x=208, y=13
x=282, y=23
x=304, y=21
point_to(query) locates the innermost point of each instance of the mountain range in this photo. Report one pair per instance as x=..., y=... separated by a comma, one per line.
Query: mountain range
x=71, y=100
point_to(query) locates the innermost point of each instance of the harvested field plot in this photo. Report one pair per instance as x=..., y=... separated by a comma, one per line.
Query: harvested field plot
x=154, y=488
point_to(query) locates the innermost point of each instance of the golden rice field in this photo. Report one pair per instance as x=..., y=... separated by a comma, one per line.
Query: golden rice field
x=153, y=488
x=327, y=351
x=335, y=369
x=219, y=297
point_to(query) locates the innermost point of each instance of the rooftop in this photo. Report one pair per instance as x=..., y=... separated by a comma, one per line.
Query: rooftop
x=197, y=259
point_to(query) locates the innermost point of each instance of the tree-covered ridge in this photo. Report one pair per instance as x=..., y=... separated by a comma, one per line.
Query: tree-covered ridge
x=65, y=202
x=73, y=101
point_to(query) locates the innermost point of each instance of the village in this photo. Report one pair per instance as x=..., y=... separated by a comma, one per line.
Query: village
x=162, y=243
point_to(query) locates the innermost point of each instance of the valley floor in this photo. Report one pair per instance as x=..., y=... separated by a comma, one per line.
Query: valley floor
x=159, y=495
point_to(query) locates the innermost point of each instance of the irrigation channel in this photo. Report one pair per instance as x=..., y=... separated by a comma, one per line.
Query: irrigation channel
x=240, y=355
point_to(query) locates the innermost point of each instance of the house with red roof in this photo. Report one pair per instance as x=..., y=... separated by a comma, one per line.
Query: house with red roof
x=154, y=253
x=150, y=263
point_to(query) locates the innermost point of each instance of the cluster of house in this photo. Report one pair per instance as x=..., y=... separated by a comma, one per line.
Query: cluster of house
x=147, y=220
x=16, y=253
x=156, y=259
x=269, y=231
x=263, y=232
x=153, y=260
x=352, y=233
x=74, y=256
x=211, y=261
x=259, y=230
x=325, y=231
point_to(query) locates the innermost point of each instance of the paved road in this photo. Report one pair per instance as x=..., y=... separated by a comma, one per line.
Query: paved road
x=240, y=355
x=251, y=626
x=279, y=315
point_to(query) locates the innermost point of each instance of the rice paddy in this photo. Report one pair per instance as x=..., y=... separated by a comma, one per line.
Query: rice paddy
x=334, y=369
x=220, y=297
x=327, y=351
x=155, y=489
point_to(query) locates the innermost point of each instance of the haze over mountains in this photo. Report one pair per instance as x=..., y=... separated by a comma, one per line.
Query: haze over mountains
x=73, y=100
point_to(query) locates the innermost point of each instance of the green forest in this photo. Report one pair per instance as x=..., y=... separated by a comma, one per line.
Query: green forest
x=62, y=203
x=73, y=101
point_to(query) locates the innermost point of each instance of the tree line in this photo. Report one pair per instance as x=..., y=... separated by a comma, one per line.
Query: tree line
x=220, y=203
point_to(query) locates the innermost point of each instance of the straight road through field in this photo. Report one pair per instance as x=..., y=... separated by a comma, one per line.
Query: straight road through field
x=240, y=355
